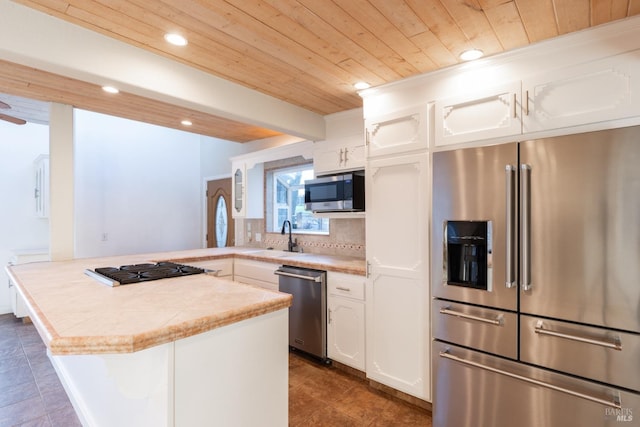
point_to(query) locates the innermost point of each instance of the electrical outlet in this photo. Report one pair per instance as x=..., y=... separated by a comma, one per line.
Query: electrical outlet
x=258, y=237
x=105, y=237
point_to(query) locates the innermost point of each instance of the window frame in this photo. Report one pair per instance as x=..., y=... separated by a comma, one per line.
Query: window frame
x=273, y=219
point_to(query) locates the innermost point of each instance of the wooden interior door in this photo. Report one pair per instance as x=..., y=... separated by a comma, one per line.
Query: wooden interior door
x=220, y=225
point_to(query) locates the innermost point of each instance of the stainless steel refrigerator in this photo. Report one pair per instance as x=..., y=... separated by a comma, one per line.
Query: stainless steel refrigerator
x=536, y=282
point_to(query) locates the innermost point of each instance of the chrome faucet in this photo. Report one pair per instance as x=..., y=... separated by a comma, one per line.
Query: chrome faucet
x=292, y=244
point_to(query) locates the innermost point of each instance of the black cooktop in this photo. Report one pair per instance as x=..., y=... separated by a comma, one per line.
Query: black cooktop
x=137, y=273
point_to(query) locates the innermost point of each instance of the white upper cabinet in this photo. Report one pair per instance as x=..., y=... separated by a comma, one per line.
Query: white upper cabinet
x=597, y=91
x=238, y=189
x=398, y=132
x=587, y=94
x=339, y=155
x=247, y=191
x=247, y=173
x=490, y=113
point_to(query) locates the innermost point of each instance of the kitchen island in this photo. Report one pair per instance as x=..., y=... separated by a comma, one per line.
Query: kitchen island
x=187, y=351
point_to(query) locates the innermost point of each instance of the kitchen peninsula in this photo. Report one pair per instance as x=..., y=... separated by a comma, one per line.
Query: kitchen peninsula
x=186, y=351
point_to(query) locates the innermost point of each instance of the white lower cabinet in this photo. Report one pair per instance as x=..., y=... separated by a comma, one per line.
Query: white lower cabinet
x=18, y=306
x=223, y=267
x=346, y=319
x=255, y=273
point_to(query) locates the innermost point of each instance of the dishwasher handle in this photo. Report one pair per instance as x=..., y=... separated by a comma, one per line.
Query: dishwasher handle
x=280, y=272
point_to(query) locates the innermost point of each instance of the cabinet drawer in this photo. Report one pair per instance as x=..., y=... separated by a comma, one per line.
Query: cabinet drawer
x=602, y=354
x=346, y=285
x=490, y=330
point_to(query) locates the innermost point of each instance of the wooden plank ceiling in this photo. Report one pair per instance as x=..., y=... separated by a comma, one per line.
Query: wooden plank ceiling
x=311, y=52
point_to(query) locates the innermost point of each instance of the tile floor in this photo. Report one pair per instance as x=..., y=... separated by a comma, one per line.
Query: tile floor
x=31, y=394
x=325, y=396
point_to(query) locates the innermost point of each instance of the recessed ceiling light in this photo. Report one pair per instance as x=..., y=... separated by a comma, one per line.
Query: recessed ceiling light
x=186, y=122
x=362, y=85
x=110, y=89
x=175, y=39
x=471, y=54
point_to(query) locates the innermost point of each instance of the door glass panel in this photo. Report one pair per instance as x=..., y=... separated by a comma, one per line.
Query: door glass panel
x=221, y=222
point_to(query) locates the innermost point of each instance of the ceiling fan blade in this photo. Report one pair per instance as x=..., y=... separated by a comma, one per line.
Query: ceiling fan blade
x=4, y=106
x=12, y=119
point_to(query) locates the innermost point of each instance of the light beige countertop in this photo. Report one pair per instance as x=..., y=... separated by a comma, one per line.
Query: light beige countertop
x=76, y=314
x=341, y=264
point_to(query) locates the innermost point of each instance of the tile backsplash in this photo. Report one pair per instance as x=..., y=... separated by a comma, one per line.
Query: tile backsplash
x=346, y=238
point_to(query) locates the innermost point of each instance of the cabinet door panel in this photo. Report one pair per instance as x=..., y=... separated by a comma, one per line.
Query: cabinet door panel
x=490, y=113
x=326, y=159
x=397, y=132
x=354, y=156
x=238, y=192
x=345, y=332
x=396, y=213
x=339, y=155
x=595, y=92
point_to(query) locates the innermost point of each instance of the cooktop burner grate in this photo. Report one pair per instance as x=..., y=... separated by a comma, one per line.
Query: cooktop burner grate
x=137, y=273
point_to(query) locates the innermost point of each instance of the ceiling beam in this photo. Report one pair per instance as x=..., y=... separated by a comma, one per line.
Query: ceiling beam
x=34, y=39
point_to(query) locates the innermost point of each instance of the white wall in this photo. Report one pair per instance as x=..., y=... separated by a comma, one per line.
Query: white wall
x=20, y=229
x=215, y=154
x=137, y=187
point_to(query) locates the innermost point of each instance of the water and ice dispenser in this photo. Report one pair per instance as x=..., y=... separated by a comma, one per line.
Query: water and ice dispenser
x=468, y=253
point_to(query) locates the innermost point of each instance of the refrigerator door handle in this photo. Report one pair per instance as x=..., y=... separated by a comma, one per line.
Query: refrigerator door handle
x=539, y=329
x=497, y=321
x=510, y=270
x=525, y=227
x=615, y=402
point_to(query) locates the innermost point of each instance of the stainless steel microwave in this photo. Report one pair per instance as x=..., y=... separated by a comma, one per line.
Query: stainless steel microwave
x=335, y=193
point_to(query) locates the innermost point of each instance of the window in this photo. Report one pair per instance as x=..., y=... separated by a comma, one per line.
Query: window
x=285, y=201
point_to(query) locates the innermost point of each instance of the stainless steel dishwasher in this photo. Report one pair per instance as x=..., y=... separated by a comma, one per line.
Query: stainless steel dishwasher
x=308, y=313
